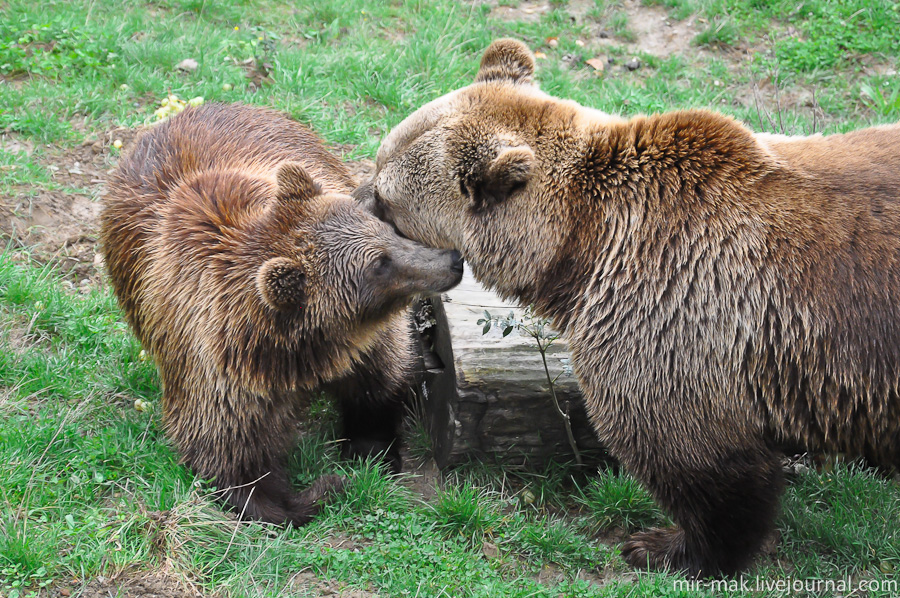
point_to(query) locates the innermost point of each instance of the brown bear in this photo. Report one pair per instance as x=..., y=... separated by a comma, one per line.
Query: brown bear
x=253, y=279
x=721, y=292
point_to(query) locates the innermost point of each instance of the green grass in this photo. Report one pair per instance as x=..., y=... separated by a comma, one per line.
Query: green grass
x=721, y=30
x=353, y=70
x=91, y=486
x=827, y=32
x=847, y=517
x=18, y=168
x=619, y=501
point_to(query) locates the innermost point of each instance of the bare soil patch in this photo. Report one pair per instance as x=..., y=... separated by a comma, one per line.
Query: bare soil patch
x=655, y=31
x=155, y=584
x=550, y=574
x=308, y=582
x=361, y=170
x=424, y=477
x=529, y=11
x=61, y=222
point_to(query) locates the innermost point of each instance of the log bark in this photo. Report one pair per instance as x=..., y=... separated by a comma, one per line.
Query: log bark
x=491, y=400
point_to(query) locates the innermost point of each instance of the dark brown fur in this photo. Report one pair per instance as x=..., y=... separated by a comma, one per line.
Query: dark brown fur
x=721, y=291
x=253, y=280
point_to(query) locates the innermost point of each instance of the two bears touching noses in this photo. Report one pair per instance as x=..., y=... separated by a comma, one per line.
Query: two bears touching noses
x=722, y=292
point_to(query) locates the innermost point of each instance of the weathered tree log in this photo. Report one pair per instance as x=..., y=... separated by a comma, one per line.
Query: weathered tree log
x=491, y=400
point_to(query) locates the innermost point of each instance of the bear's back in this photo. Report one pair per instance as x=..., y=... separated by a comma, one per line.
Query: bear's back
x=219, y=136
x=861, y=166
x=215, y=145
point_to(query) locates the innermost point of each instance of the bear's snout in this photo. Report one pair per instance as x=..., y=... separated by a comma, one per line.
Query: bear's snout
x=445, y=267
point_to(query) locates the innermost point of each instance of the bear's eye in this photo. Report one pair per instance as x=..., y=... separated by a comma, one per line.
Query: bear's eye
x=383, y=264
x=463, y=189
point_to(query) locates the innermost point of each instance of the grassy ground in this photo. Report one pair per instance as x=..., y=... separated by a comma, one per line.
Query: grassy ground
x=92, y=498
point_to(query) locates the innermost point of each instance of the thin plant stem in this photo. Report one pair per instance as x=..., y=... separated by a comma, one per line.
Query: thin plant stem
x=567, y=421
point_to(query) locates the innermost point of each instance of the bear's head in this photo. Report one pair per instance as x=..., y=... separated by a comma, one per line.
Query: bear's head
x=331, y=261
x=280, y=283
x=485, y=170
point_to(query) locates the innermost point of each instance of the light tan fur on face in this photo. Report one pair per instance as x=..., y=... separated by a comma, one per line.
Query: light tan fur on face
x=721, y=291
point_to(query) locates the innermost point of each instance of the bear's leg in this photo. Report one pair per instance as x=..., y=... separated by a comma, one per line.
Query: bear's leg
x=270, y=498
x=372, y=398
x=242, y=441
x=371, y=418
x=372, y=428
x=724, y=511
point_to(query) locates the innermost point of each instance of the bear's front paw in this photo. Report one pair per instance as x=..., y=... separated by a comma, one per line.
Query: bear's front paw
x=658, y=549
x=305, y=505
x=324, y=488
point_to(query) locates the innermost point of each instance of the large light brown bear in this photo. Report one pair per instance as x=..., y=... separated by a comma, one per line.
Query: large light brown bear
x=254, y=280
x=721, y=291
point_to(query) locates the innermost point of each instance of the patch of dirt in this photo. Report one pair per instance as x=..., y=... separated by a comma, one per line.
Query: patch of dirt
x=656, y=32
x=16, y=81
x=421, y=477
x=158, y=584
x=19, y=333
x=550, y=574
x=342, y=542
x=362, y=170
x=61, y=223
x=773, y=104
x=529, y=11
x=14, y=145
x=308, y=582
x=55, y=225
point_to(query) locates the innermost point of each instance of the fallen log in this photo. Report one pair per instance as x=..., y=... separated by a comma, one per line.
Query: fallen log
x=488, y=396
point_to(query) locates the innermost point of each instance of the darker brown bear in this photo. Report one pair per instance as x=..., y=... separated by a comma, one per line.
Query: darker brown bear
x=721, y=291
x=254, y=279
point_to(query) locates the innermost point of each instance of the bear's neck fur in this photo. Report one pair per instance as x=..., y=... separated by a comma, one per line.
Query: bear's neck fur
x=629, y=173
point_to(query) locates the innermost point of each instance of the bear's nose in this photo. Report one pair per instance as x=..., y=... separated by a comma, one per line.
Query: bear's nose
x=456, y=261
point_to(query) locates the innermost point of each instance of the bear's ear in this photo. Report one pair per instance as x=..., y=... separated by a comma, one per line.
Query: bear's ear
x=506, y=60
x=295, y=183
x=508, y=172
x=282, y=284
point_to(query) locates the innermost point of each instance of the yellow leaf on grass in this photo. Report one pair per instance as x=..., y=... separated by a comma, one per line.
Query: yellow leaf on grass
x=598, y=64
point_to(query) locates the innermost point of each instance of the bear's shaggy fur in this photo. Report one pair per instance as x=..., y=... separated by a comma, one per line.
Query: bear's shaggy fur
x=253, y=279
x=721, y=291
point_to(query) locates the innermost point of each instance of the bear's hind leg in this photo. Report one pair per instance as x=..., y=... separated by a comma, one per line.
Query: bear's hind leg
x=724, y=514
x=372, y=398
x=371, y=425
